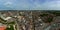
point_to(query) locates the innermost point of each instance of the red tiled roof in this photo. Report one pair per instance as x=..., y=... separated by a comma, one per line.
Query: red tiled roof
x=2, y=28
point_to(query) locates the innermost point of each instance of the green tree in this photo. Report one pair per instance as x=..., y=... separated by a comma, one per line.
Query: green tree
x=11, y=28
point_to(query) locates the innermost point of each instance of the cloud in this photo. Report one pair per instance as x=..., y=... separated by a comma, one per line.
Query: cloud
x=52, y=5
x=8, y=4
x=30, y=4
x=48, y=5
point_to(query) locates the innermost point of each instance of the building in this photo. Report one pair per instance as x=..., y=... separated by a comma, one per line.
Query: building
x=2, y=27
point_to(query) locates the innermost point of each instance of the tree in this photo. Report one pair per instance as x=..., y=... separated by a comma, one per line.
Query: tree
x=48, y=18
x=11, y=28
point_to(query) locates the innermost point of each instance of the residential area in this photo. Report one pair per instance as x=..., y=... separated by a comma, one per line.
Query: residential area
x=29, y=20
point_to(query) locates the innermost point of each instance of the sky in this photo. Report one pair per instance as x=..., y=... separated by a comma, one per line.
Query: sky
x=29, y=4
